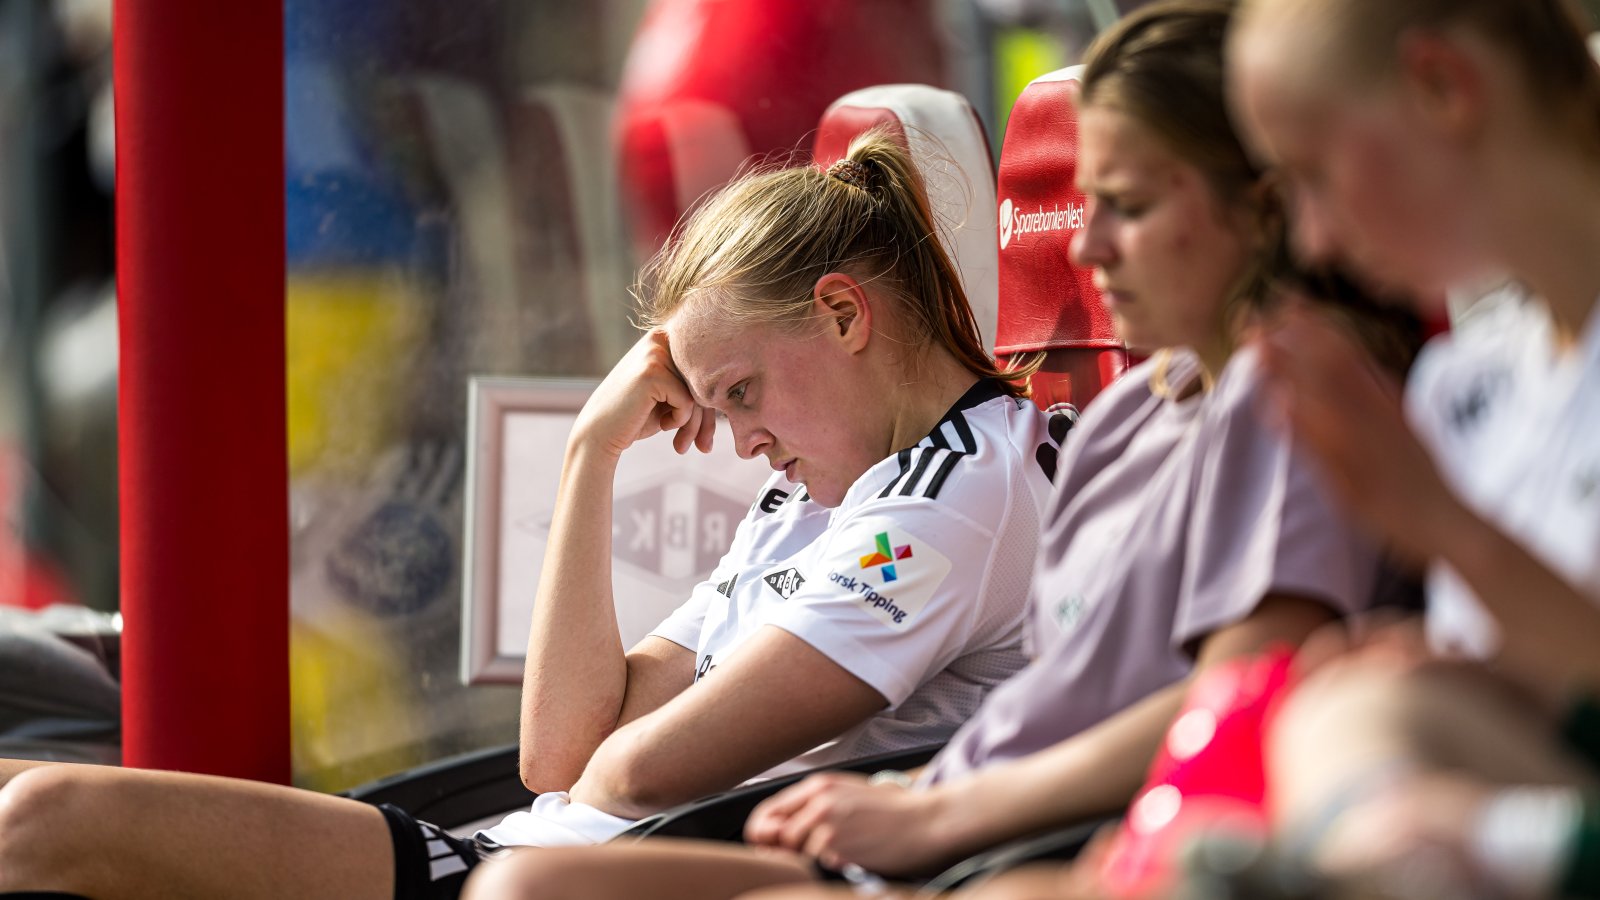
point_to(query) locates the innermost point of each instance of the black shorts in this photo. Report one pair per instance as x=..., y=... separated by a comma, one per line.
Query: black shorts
x=429, y=862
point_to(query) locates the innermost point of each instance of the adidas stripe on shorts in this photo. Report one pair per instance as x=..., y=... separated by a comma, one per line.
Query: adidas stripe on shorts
x=429, y=862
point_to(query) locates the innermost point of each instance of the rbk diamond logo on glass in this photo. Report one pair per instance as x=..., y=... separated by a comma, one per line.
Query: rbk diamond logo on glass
x=787, y=582
x=883, y=559
x=674, y=531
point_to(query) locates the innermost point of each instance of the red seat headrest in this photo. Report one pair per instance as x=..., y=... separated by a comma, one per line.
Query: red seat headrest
x=1046, y=302
x=951, y=149
x=708, y=83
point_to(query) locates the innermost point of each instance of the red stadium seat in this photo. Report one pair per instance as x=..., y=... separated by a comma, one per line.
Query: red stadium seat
x=949, y=144
x=708, y=84
x=1047, y=304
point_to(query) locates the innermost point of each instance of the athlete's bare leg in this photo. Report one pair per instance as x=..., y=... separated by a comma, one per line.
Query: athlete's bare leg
x=662, y=869
x=820, y=892
x=1044, y=881
x=10, y=768
x=126, y=834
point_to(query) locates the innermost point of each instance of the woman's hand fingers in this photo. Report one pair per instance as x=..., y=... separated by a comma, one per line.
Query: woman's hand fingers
x=643, y=394
x=809, y=830
x=688, y=429
x=697, y=431
x=708, y=431
x=767, y=819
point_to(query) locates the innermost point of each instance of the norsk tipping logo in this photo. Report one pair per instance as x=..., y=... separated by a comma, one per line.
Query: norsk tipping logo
x=884, y=559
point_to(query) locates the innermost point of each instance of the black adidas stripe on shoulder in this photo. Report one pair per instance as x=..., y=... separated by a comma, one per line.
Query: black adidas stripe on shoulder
x=925, y=455
x=927, y=475
x=904, y=457
x=940, y=474
x=969, y=443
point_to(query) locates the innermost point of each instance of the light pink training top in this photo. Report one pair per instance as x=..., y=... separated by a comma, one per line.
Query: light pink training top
x=1171, y=519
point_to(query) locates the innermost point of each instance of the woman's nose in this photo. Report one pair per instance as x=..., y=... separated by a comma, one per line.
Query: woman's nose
x=749, y=440
x=1090, y=245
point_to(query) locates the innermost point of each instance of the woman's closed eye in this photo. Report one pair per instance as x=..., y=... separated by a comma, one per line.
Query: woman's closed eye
x=1122, y=207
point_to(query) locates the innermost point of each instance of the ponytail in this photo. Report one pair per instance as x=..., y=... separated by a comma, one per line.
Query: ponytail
x=933, y=298
x=760, y=246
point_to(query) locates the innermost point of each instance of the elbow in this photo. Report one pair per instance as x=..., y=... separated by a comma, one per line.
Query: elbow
x=625, y=779
x=536, y=779
x=553, y=752
x=544, y=771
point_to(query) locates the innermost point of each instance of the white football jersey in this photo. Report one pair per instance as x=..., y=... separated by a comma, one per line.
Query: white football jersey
x=1515, y=427
x=916, y=583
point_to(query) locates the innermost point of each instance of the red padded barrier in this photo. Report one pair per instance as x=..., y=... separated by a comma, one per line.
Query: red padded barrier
x=709, y=83
x=951, y=147
x=1046, y=302
x=204, y=484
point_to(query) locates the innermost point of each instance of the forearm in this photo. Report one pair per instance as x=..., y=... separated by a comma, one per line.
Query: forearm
x=1549, y=629
x=1094, y=773
x=775, y=698
x=575, y=680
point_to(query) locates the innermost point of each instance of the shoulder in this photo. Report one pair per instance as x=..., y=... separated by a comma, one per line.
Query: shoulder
x=1127, y=401
x=966, y=468
x=1497, y=331
x=1240, y=387
x=1122, y=410
x=1233, y=420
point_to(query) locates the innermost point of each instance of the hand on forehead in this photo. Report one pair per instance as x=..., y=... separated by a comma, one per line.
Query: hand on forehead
x=691, y=333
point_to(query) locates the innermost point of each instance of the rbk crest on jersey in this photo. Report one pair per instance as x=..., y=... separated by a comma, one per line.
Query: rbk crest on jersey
x=786, y=582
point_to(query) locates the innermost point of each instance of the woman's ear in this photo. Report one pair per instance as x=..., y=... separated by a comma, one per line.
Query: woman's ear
x=1445, y=80
x=1265, y=203
x=841, y=303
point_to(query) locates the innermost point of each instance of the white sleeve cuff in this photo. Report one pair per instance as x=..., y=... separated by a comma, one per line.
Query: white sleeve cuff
x=881, y=674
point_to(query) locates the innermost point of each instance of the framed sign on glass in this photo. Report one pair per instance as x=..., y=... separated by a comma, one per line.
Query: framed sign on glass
x=672, y=518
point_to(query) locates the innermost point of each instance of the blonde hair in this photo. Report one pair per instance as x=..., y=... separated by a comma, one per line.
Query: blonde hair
x=757, y=249
x=1544, y=39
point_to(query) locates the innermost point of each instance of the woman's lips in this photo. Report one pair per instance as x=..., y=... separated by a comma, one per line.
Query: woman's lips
x=786, y=466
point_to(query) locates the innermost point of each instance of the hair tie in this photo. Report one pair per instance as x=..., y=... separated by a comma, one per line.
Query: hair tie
x=850, y=171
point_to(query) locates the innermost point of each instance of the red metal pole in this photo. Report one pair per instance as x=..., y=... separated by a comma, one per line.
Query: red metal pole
x=204, y=483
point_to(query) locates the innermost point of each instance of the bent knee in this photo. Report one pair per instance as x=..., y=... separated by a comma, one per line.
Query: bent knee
x=546, y=873
x=42, y=821
x=45, y=796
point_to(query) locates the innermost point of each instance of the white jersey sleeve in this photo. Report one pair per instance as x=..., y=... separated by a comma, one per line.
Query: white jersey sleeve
x=891, y=593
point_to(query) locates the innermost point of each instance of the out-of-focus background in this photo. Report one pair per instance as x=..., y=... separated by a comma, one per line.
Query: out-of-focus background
x=470, y=187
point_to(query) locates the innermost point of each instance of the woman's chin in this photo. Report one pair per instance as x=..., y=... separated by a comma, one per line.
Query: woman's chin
x=824, y=494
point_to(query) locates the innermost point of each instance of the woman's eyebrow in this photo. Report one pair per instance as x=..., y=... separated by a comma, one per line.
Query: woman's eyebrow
x=709, y=393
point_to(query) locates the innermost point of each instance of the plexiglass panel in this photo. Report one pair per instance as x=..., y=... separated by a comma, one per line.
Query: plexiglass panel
x=470, y=188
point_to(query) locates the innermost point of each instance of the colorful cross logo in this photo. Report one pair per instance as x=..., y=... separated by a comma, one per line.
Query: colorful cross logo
x=882, y=557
